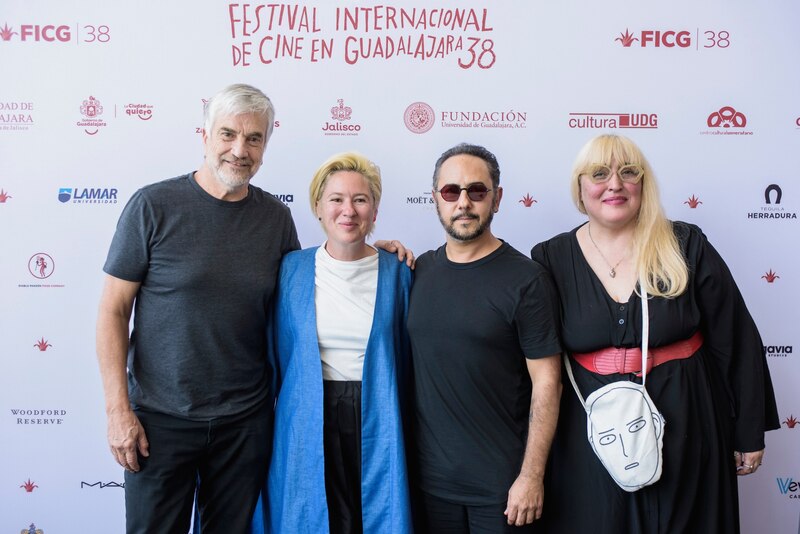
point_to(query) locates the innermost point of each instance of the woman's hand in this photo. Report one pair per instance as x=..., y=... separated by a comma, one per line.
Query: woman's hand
x=747, y=462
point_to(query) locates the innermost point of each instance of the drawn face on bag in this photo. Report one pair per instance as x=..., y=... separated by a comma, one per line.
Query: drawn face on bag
x=620, y=434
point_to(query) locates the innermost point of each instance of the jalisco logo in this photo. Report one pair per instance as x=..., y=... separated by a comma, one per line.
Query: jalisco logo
x=91, y=109
x=787, y=486
x=4, y=196
x=36, y=32
x=772, y=208
x=41, y=265
x=39, y=416
x=484, y=119
x=730, y=120
x=790, y=421
x=777, y=351
x=656, y=38
x=419, y=117
x=341, y=114
x=16, y=115
x=528, y=200
x=42, y=344
x=142, y=111
x=28, y=486
x=693, y=202
x=613, y=120
x=31, y=530
x=87, y=195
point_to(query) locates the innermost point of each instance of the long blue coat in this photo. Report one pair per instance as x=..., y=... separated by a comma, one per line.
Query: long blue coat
x=296, y=501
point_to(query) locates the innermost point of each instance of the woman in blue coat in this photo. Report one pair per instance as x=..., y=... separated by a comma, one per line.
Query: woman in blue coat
x=341, y=349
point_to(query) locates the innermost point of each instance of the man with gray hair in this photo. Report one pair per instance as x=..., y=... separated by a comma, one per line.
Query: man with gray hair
x=188, y=393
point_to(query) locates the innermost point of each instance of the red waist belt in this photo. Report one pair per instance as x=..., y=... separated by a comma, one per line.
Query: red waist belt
x=621, y=360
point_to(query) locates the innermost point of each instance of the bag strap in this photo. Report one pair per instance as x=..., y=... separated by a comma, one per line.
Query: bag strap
x=645, y=343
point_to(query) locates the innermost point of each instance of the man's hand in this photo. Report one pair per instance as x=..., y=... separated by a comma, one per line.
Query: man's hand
x=525, y=501
x=403, y=253
x=127, y=439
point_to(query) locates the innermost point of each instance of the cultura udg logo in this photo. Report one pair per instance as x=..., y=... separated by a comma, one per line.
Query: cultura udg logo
x=419, y=117
x=693, y=202
x=41, y=265
x=656, y=38
x=4, y=196
x=613, y=120
x=339, y=115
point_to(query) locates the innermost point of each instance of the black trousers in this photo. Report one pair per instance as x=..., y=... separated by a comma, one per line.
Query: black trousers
x=224, y=463
x=342, y=440
x=438, y=516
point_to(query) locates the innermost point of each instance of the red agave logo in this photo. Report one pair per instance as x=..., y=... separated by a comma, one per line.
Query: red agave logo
x=41, y=265
x=770, y=276
x=419, y=117
x=42, y=344
x=341, y=114
x=28, y=486
x=7, y=33
x=91, y=109
x=528, y=200
x=656, y=38
x=4, y=196
x=790, y=422
x=693, y=202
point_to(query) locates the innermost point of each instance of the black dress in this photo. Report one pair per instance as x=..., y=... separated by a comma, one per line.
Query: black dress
x=717, y=401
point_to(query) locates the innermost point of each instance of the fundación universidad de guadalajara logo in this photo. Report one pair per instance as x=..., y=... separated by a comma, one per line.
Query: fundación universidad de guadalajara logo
x=419, y=117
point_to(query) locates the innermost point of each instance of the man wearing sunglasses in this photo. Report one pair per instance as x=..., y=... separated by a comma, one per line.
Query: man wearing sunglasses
x=483, y=327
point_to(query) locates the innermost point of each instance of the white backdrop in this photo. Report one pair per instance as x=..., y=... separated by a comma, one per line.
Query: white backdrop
x=99, y=98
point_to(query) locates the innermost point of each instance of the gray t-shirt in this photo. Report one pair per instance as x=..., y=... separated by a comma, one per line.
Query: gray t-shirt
x=207, y=270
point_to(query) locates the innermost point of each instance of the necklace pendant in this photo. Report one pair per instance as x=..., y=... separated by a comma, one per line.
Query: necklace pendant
x=612, y=273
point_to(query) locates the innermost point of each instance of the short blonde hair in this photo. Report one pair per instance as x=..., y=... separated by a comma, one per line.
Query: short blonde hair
x=345, y=161
x=659, y=260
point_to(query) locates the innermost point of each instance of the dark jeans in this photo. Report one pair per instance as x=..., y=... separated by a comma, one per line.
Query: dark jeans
x=342, y=438
x=438, y=516
x=225, y=462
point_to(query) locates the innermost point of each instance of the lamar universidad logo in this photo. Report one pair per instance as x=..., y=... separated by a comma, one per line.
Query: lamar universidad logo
x=88, y=195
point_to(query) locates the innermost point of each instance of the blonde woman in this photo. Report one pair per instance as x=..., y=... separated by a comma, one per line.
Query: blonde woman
x=341, y=347
x=709, y=377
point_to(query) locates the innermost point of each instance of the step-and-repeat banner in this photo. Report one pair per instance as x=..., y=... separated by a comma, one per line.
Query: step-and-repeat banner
x=100, y=98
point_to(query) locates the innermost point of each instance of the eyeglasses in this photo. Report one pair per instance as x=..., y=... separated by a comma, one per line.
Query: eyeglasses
x=599, y=174
x=475, y=192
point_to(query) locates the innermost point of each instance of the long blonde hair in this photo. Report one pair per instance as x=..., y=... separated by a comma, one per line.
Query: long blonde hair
x=659, y=260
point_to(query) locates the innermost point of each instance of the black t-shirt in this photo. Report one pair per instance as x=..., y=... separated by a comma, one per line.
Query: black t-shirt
x=472, y=325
